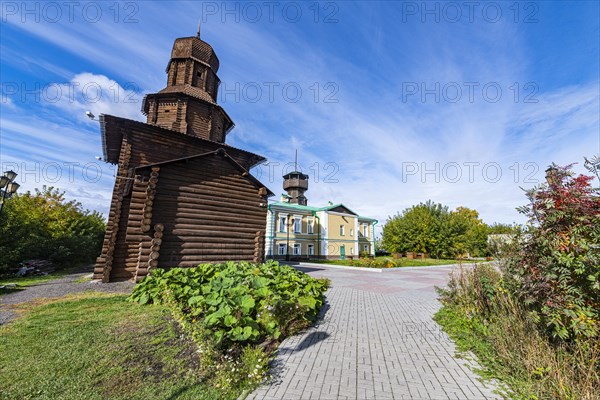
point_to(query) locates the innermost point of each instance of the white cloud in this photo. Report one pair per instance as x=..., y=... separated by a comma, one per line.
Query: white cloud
x=98, y=94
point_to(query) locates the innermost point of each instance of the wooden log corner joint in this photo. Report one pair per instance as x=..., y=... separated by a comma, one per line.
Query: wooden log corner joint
x=182, y=196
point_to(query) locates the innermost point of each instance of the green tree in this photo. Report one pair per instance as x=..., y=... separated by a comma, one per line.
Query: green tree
x=499, y=229
x=432, y=228
x=44, y=225
x=419, y=228
x=470, y=234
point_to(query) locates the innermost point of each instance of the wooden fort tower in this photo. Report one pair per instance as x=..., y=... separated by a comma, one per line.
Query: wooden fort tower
x=181, y=195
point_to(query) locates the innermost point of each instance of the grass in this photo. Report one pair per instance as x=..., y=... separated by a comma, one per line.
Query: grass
x=404, y=262
x=97, y=346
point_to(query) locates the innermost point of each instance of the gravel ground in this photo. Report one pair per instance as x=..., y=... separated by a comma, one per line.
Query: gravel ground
x=57, y=288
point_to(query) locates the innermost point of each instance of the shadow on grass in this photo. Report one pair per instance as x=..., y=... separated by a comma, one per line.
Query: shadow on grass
x=11, y=290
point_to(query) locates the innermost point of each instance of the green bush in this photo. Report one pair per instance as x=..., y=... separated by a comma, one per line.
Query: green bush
x=43, y=225
x=236, y=311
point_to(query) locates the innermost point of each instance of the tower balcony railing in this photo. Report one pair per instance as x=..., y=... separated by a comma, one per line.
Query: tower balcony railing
x=295, y=183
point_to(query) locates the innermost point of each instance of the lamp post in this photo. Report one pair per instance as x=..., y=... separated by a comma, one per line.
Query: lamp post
x=287, y=245
x=8, y=187
x=551, y=175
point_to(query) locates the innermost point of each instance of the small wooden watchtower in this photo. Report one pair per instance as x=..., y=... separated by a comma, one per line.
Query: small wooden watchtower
x=181, y=195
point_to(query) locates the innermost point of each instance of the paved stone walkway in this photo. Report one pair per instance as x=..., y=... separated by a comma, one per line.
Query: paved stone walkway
x=376, y=340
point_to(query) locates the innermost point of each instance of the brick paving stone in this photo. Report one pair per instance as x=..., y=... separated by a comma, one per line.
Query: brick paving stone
x=375, y=340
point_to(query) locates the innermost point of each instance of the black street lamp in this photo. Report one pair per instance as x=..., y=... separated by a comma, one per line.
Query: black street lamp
x=8, y=187
x=551, y=177
x=287, y=244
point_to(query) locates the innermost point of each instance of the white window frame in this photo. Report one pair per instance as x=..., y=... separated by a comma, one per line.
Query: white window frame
x=281, y=249
x=297, y=224
x=366, y=230
x=310, y=229
x=283, y=226
x=342, y=230
x=351, y=251
x=366, y=248
x=297, y=246
x=351, y=232
x=311, y=249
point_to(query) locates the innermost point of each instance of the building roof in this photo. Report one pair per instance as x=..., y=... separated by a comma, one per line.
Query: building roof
x=191, y=91
x=300, y=175
x=195, y=48
x=218, y=152
x=294, y=206
x=339, y=208
x=112, y=128
x=299, y=207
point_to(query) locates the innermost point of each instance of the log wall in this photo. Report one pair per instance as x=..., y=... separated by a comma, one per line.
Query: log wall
x=185, y=213
x=210, y=212
x=126, y=248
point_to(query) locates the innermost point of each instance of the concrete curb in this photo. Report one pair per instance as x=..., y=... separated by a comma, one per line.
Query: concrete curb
x=392, y=270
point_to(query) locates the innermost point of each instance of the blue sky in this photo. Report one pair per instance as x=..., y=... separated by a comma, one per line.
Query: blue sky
x=388, y=103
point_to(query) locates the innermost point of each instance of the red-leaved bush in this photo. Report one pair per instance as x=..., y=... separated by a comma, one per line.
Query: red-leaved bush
x=555, y=266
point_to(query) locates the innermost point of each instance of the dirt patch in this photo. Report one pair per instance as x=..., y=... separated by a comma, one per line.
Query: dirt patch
x=152, y=351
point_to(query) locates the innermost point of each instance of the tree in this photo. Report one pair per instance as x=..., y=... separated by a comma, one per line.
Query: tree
x=500, y=229
x=419, y=228
x=432, y=228
x=43, y=225
x=470, y=234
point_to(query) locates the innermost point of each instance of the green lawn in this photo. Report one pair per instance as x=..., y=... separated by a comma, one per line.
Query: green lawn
x=404, y=262
x=98, y=346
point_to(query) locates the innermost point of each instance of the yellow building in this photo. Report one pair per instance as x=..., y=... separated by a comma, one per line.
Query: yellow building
x=296, y=231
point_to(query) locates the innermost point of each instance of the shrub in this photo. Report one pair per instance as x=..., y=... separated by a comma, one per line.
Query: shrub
x=482, y=316
x=43, y=225
x=236, y=312
x=536, y=324
x=554, y=268
x=376, y=263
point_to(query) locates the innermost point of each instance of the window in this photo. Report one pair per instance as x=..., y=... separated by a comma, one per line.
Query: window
x=351, y=232
x=342, y=230
x=281, y=249
x=311, y=249
x=309, y=226
x=297, y=249
x=366, y=230
x=351, y=250
x=366, y=248
x=297, y=224
x=283, y=223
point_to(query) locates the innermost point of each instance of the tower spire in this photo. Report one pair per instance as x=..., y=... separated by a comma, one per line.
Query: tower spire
x=198, y=34
x=296, y=161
